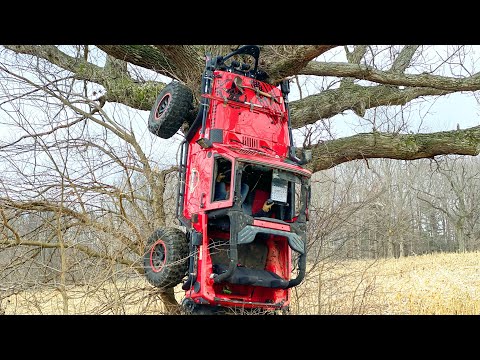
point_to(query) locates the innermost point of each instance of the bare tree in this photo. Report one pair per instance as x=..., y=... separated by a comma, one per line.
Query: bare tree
x=80, y=180
x=455, y=206
x=80, y=172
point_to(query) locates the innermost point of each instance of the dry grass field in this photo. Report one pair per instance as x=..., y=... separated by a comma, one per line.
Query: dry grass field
x=429, y=284
x=436, y=284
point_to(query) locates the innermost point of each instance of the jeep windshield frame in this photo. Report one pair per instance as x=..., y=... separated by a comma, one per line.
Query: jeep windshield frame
x=259, y=175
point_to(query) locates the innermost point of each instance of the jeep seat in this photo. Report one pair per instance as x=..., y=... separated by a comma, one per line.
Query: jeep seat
x=255, y=277
x=254, y=201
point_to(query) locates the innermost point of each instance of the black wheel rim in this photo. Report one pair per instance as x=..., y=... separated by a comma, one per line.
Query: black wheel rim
x=162, y=106
x=158, y=256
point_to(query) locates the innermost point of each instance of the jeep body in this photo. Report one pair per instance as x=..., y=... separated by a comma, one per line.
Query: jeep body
x=239, y=259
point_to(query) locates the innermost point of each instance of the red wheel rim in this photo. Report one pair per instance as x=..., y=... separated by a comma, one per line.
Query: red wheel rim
x=162, y=106
x=158, y=256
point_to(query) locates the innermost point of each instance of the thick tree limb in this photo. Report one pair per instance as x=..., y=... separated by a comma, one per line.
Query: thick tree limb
x=185, y=62
x=280, y=61
x=353, y=57
x=188, y=62
x=146, y=56
x=352, y=97
x=365, y=72
x=357, y=54
x=402, y=61
x=122, y=89
x=283, y=61
x=395, y=146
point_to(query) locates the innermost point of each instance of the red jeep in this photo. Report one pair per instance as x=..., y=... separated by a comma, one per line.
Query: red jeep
x=242, y=196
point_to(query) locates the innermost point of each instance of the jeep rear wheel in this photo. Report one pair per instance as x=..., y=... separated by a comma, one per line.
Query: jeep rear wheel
x=165, y=260
x=173, y=107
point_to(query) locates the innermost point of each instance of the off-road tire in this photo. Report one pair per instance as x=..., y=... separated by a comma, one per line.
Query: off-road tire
x=166, y=257
x=173, y=106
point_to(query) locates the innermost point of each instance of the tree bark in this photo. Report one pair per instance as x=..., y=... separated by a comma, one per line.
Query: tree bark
x=395, y=146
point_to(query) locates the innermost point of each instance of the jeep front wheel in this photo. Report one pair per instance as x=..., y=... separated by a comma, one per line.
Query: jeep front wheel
x=173, y=106
x=166, y=257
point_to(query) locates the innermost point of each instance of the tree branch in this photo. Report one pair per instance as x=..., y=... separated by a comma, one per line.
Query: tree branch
x=187, y=61
x=395, y=146
x=122, y=89
x=365, y=72
x=402, y=61
x=284, y=61
x=84, y=218
x=146, y=56
x=354, y=57
x=84, y=249
x=352, y=97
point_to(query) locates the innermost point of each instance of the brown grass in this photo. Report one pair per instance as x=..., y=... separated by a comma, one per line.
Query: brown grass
x=428, y=284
